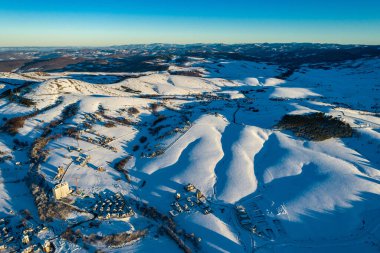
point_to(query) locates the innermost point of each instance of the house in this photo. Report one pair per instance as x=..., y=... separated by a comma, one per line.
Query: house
x=48, y=247
x=61, y=190
x=25, y=239
x=189, y=187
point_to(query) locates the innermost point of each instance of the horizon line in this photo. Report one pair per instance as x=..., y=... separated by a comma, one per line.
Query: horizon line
x=187, y=44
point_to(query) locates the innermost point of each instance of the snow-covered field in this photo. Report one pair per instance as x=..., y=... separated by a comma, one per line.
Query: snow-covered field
x=218, y=133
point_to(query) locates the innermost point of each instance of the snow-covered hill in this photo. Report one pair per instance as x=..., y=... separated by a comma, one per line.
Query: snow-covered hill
x=217, y=132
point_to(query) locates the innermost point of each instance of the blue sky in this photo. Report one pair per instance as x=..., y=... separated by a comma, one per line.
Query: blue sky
x=115, y=22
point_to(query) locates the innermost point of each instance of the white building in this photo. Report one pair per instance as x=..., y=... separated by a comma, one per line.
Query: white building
x=61, y=190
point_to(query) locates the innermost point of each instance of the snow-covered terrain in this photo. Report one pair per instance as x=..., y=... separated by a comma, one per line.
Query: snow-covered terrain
x=217, y=132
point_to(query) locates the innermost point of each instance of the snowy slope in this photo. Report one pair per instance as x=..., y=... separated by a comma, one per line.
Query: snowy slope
x=216, y=132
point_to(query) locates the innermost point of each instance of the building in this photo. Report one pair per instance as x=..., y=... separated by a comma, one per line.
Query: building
x=112, y=206
x=30, y=249
x=25, y=239
x=61, y=190
x=48, y=247
x=199, y=195
x=189, y=187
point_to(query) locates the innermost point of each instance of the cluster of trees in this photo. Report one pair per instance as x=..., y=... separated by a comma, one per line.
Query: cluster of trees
x=113, y=240
x=109, y=124
x=38, y=145
x=21, y=100
x=12, y=125
x=116, y=240
x=172, y=234
x=67, y=112
x=72, y=132
x=155, y=153
x=120, y=120
x=36, y=152
x=194, y=73
x=135, y=148
x=111, y=120
x=158, y=120
x=72, y=236
x=154, y=107
x=119, y=166
x=12, y=96
x=154, y=129
x=47, y=209
x=168, y=226
x=285, y=75
x=157, y=129
x=315, y=126
x=149, y=95
x=143, y=139
x=133, y=110
x=127, y=89
x=20, y=144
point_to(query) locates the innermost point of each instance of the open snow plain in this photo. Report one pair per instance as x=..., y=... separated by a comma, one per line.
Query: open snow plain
x=217, y=132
